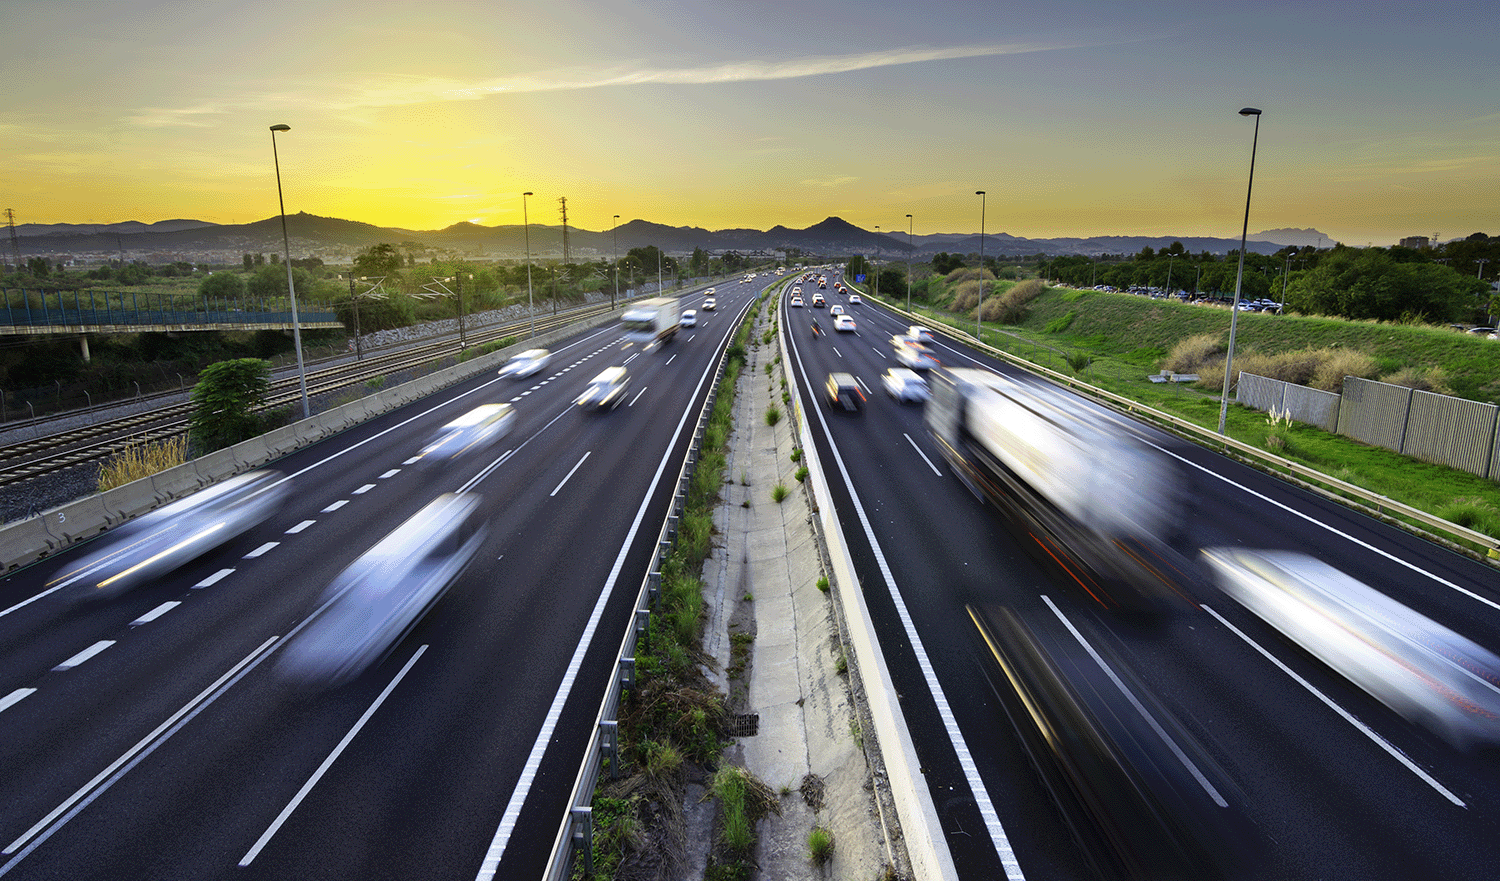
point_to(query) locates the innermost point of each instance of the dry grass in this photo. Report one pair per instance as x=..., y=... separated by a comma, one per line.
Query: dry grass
x=142, y=460
x=1423, y=379
x=1316, y=368
x=1192, y=354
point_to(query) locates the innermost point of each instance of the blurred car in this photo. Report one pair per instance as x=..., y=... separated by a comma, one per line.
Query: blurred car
x=710, y=304
x=689, y=318
x=844, y=323
x=818, y=300
x=904, y=385
x=370, y=607
x=835, y=309
x=473, y=431
x=1433, y=676
x=921, y=333
x=527, y=363
x=709, y=292
x=911, y=352
x=606, y=390
x=157, y=542
x=796, y=289
x=843, y=391
x=797, y=302
x=1482, y=331
x=854, y=299
x=1141, y=794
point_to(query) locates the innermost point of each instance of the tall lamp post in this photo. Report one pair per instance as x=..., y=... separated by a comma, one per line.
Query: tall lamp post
x=1239, y=274
x=286, y=244
x=909, y=223
x=617, y=263
x=979, y=313
x=526, y=225
x=877, y=261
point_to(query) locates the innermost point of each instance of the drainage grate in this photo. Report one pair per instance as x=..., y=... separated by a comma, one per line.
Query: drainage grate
x=744, y=725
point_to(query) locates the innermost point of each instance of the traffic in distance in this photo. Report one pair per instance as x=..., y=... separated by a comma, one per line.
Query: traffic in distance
x=1089, y=651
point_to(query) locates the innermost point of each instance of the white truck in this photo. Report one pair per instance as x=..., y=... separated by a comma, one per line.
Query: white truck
x=651, y=321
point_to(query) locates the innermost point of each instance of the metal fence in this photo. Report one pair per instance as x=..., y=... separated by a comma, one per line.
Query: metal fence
x=1435, y=428
x=92, y=308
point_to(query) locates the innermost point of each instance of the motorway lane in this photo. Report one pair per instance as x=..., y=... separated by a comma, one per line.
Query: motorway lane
x=421, y=786
x=1323, y=794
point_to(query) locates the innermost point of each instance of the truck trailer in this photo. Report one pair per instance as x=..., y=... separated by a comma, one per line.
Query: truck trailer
x=651, y=321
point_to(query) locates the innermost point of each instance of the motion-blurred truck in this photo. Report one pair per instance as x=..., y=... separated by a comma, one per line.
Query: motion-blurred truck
x=652, y=321
x=1096, y=501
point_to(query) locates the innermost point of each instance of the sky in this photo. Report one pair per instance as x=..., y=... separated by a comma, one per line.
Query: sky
x=1380, y=120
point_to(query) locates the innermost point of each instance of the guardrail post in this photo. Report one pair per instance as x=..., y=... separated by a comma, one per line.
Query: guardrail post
x=643, y=627
x=627, y=674
x=653, y=588
x=583, y=837
x=672, y=526
x=609, y=745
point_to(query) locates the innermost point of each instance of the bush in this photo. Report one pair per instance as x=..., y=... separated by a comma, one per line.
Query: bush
x=225, y=400
x=773, y=415
x=802, y=474
x=778, y=492
x=1423, y=379
x=1195, y=353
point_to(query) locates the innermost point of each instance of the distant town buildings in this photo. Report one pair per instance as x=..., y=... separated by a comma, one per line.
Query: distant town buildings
x=1416, y=243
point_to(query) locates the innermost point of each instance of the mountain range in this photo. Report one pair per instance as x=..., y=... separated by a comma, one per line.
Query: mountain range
x=337, y=240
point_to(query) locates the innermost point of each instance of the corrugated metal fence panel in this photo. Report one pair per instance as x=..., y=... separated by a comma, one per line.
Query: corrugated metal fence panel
x=1312, y=406
x=1495, y=454
x=1374, y=412
x=1258, y=391
x=1451, y=431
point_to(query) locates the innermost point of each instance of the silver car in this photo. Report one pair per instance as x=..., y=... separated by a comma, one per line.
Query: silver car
x=527, y=363
x=158, y=542
x=471, y=432
x=606, y=390
x=370, y=607
x=905, y=385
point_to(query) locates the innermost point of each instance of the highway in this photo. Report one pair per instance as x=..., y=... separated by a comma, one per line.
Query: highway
x=154, y=736
x=1329, y=782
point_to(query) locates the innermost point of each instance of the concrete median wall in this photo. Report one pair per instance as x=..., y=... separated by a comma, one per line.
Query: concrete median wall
x=25, y=541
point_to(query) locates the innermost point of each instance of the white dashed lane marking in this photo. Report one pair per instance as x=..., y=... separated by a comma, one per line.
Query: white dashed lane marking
x=84, y=655
x=335, y=506
x=364, y=489
x=155, y=613
x=261, y=550
x=14, y=698
x=213, y=579
x=300, y=526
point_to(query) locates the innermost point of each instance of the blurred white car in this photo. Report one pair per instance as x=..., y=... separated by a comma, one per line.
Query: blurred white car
x=843, y=323
x=689, y=318
x=710, y=304
x=911, y=352
x=606, y=390
x=836, y=310
x=526, y=363
x=797, y=302
x=854, y=300
x=904, y=385
x=155, y=543
x=370, y=607
x=920, y=332
x=475, y=430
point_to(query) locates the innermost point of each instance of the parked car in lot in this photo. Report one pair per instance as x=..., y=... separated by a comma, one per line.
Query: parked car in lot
x=471, y=432
x=905, y=385
x=843, y=391
x=689, y=318
x=844, y=323
x=527, y=363
x=606, y=390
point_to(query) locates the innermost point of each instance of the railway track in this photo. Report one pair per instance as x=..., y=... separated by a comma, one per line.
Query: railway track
x=108, y=437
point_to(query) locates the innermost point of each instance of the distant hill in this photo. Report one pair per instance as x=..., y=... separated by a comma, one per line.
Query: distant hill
x=336, y=240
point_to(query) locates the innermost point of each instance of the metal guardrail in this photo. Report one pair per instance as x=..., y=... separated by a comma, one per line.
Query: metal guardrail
x=1381, y=504
x=575, y=835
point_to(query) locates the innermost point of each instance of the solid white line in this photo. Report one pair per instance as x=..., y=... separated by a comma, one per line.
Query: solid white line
x=501, y=839
x=213, y=579
x=335, y=506
x=155, y=613
x=300, y=526
x=27, y=602
x=1139, y=708
x=317, y=775
x=84, y=655
x=570, y=473
x=637, y=396
x=14, y=698
x=132, y=756
x=922, y=454
x=261, y=550
x=631, y=358
x=364, y=489
x=1348, y=717
x=391, y=473
x=982, y=801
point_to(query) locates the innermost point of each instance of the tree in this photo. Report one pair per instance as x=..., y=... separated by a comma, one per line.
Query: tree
x=224, y=402
x=225, y=285
x=378, y=261
x=249, y=261
x=1370, y=283
x=944, y=263
x=270, y=281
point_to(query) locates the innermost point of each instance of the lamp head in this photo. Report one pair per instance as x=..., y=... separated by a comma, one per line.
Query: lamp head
x=528, y=194
x=281, y=128
x=979, y=192
x=1250, y=111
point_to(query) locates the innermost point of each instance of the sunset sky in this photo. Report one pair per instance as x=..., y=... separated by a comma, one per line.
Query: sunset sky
x=1381, y=120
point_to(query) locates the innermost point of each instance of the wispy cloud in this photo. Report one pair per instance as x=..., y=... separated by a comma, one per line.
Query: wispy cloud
x=190, y=117
x=829, y=181
x=427, y=90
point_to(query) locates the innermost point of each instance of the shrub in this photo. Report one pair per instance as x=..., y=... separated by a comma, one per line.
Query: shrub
x=1193, y=354
x=773, y=415
x=778, y=492
x=225, y=400
x=823, y=583
x=802, y=474
x=1423, y=379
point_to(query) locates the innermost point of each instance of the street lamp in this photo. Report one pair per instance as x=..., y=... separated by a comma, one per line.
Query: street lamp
x=877, y=261
x=979, y=313
x=526, y=226
x=1239, y=274
x=286, y=244
x=617, y=263
x=909, y=223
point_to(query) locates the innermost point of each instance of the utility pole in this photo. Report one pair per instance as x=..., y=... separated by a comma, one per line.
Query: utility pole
x=562, y=202
x=15, y=240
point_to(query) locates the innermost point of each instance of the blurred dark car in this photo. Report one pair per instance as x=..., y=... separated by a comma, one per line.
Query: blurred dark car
x=158, y=542
x=843, y=391
x=1140, y=794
